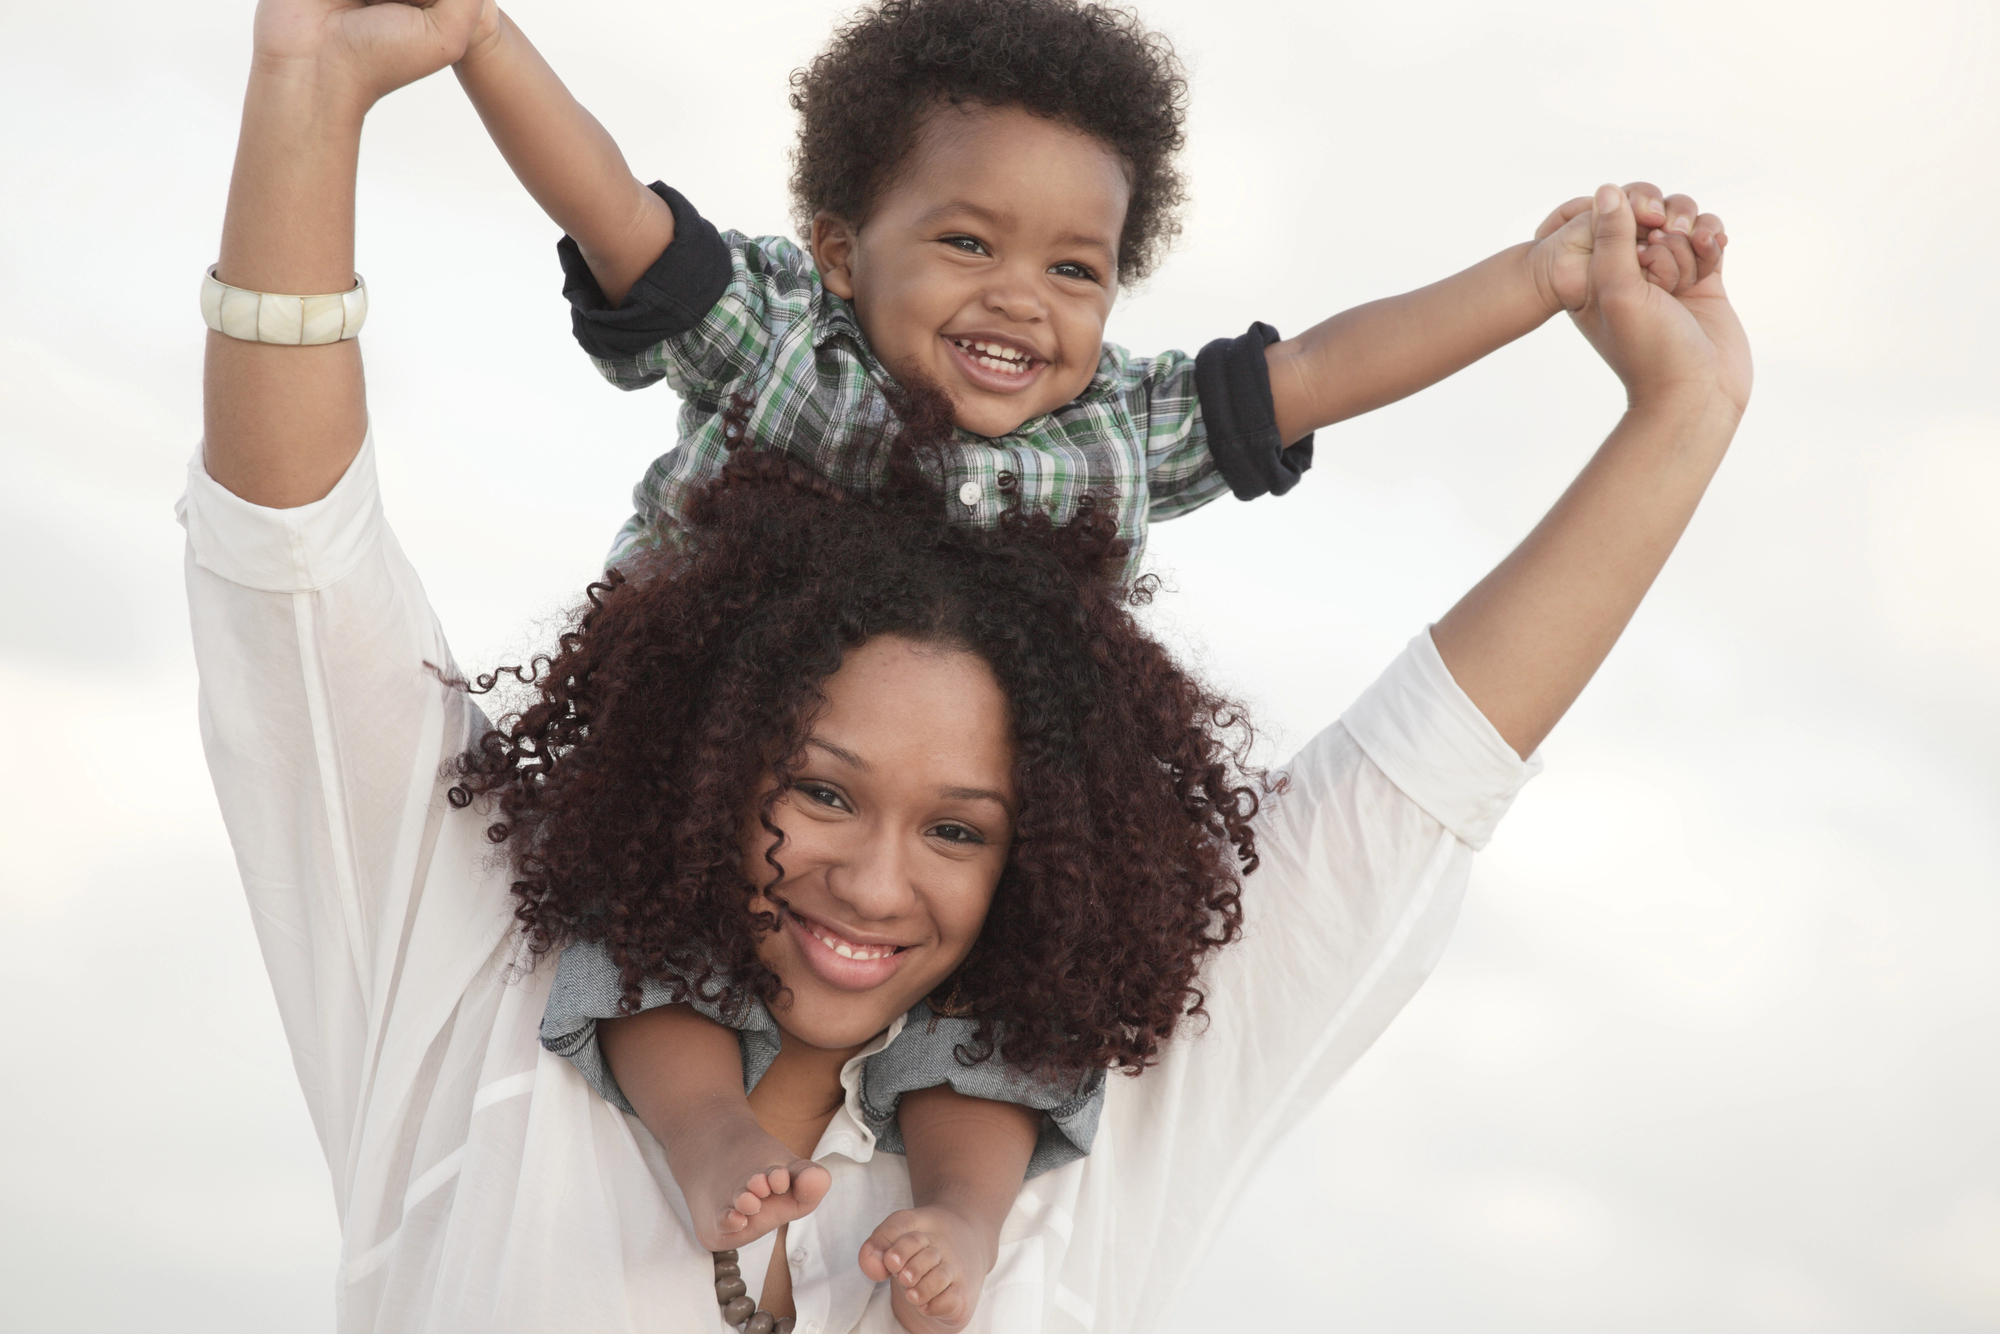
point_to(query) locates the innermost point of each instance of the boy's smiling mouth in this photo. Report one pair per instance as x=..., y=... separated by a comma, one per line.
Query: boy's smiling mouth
x=994, y=365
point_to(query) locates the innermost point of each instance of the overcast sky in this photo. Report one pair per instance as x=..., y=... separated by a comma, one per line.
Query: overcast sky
x=1715, y=1047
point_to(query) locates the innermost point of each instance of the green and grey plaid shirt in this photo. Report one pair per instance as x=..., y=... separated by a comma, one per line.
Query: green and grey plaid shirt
x=1135, y=438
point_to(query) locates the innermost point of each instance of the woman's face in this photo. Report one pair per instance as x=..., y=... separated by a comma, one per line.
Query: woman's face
x=896, y=830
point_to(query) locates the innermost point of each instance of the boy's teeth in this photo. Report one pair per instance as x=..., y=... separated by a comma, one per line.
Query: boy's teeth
x=995, y=356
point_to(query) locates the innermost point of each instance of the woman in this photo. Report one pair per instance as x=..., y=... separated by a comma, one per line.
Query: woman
x=480, y=1183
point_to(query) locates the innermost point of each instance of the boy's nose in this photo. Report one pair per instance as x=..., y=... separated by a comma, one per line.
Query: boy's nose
x=1015, y=297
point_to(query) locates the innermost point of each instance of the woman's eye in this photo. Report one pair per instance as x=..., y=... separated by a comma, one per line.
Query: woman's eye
x=957, y=833
x=824, y=796
x=1077, y=271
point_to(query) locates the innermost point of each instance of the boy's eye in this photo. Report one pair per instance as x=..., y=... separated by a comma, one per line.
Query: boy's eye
x=1074, y=270
x=970, y=245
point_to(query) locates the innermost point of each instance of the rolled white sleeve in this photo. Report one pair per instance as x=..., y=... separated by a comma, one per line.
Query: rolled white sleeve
x=1365, y=855
x=1430, y=740
x=297, y=550
x=328, y=713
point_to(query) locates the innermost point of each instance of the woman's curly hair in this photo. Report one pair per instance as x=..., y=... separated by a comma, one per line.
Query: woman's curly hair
x=864, y=101
x=684, y=691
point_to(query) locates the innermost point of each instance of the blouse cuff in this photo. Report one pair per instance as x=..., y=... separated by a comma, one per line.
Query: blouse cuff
x=670, y=298
x=1234, y=384
x=296, y=550
x=1434, y=744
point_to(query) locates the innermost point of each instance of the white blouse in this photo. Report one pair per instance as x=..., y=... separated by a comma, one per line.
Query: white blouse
x=482, y=1186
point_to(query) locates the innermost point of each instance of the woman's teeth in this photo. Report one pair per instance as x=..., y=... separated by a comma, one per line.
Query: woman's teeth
x=845, y=949
x=996, y=356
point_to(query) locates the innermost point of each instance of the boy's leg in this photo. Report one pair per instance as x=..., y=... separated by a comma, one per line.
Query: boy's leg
x=683, y=1074
x=967, y=1159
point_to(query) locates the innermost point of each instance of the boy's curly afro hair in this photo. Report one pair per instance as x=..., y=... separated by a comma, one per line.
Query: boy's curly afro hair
x=864, y=101
x=683, y=691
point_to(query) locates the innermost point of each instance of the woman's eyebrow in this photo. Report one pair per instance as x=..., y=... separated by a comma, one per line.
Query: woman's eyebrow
x=840, y=753
x=951, y=795
x=976, y=794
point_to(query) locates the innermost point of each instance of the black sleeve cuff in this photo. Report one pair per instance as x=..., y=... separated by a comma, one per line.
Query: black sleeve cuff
x=1234, y=386
x=683, y=285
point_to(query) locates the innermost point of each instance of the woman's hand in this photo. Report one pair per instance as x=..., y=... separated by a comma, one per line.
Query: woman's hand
x=1679, y=340
x=1527, y=639
x=370, y=49
x=1671, y=235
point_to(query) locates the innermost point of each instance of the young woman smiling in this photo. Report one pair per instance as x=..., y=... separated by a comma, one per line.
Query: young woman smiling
x=924, y=769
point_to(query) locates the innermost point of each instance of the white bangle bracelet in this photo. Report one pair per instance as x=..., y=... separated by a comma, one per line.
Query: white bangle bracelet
x=271, y=317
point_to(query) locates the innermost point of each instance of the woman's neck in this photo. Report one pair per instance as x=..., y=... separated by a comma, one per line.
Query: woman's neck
x=801, y=1091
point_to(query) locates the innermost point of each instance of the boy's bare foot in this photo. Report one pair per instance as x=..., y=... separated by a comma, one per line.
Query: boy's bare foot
x=738, y=1181
x=936, y=1262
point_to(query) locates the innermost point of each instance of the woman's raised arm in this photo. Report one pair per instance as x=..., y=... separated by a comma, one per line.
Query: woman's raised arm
x=282, y=423
x=1527, y=639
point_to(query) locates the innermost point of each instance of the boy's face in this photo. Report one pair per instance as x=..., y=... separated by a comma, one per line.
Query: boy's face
x=990, y=265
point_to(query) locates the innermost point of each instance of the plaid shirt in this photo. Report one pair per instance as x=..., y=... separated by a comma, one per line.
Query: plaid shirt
x=1135, y=438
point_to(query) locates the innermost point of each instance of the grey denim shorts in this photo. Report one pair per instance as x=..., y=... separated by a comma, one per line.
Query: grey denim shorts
x=587, y=988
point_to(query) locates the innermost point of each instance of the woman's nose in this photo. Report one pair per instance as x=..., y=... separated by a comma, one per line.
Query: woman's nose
x=874, y=879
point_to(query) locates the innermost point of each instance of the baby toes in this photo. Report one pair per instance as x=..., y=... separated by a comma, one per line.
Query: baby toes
x=809, y=1182
x=925, y=1273
x=937, y=1293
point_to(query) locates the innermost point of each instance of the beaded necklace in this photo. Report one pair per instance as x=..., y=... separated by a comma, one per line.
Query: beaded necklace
x=734, y=1296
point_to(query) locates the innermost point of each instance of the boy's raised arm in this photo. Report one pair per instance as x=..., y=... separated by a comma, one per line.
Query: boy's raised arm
x=1374, y=354
x=568, y=162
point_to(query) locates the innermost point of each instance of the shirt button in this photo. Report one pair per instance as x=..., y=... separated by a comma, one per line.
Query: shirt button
x=799, y=1255
x=970, y=493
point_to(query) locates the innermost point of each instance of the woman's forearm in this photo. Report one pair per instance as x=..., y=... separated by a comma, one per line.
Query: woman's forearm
x=282, y=423
x=566, y=159
x=1528, y=637
x=1372, y=355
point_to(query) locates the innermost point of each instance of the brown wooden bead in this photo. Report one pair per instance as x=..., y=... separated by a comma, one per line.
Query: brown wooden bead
x=737, y=1310
x=761, y=1323
x=729, y=1289
x=784, y=1325
x=727, y=1269
x=722, y=1256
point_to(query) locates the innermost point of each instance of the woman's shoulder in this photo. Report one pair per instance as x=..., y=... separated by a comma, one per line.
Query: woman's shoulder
x=1418, y=730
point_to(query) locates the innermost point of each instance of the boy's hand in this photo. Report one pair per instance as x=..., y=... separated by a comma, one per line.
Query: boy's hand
x=1672, y=238
x=1677, y=344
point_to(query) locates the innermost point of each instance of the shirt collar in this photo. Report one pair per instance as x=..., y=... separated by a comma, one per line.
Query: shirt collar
x=848, y=1132
x=834, y=319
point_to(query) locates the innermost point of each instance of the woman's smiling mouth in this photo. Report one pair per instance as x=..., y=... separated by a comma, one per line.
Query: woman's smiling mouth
x=850, y=965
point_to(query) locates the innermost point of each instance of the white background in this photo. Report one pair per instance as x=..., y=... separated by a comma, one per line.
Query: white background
x=1715, y=1047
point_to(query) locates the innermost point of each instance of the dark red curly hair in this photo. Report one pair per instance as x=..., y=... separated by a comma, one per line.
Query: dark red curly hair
x=685, y=688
